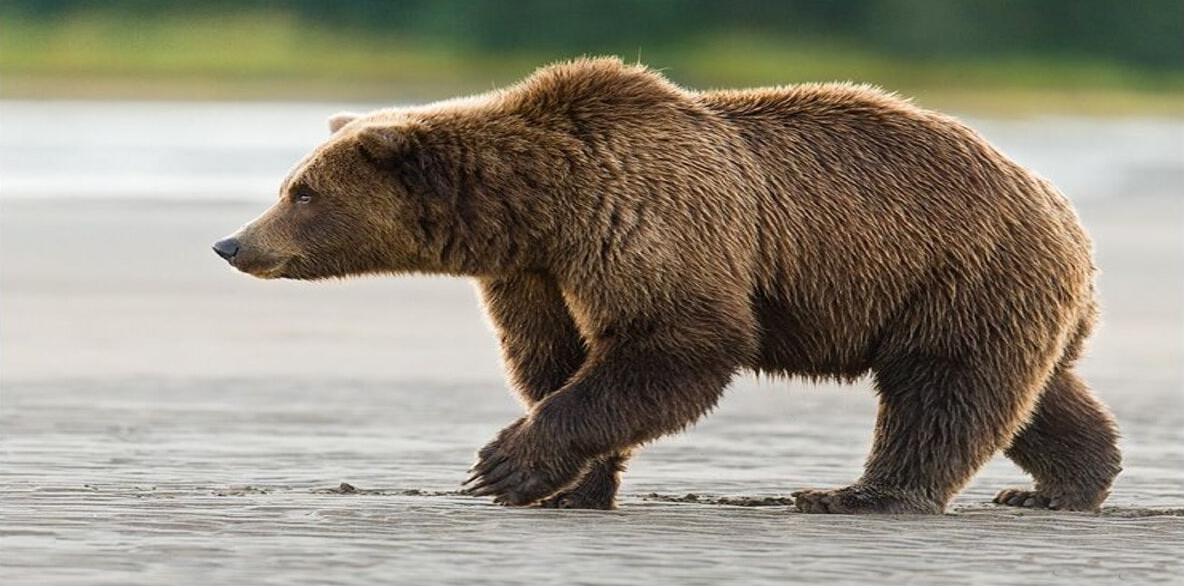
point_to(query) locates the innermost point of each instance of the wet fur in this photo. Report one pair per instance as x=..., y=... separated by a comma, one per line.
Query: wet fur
x=637, y=244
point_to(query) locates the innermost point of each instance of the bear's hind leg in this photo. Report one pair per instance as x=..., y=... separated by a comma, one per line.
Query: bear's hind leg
x=1070, y=447
x=939, y=421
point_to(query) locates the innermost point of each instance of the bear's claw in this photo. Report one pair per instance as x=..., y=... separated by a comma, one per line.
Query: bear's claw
x=863, y=499
x=1028, y=499
x=512, y=479
x=507, y=485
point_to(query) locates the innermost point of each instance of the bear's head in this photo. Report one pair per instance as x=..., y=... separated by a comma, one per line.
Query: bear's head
x=353, y=206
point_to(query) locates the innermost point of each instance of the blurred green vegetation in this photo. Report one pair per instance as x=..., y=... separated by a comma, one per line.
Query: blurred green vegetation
x=1103, y=53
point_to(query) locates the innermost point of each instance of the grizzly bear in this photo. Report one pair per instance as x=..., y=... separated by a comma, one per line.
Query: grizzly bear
x=637, y=244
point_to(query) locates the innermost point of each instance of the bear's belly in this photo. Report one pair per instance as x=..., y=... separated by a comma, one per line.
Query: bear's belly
x=792, y=345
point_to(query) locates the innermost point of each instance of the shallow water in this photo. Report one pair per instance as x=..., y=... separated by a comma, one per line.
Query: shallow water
x=240, y=151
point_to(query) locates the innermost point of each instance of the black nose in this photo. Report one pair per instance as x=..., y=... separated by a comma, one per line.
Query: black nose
x=226, y=247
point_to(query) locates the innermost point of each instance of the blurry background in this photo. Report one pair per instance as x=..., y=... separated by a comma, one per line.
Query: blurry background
x=217, y=99
x=163, y=417
x=1004, y=55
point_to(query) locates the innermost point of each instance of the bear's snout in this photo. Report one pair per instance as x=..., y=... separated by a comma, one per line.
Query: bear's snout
x=227, y=247
x=244, y=254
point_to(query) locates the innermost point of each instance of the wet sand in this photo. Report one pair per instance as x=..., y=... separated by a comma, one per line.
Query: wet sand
x=164, y=420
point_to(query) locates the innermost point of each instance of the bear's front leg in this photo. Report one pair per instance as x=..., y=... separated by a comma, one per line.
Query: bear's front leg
x=642, y=382
x=542, y=348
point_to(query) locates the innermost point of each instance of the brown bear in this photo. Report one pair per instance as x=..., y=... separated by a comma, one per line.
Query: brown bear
x=637, y=244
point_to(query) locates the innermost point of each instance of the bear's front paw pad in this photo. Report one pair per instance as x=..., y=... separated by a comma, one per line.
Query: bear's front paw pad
x=862, y=500
x=563, y=500
x=1028, y=499
x=579, y=499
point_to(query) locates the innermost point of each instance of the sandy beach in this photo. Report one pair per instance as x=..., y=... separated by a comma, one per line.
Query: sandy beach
x=165, y=420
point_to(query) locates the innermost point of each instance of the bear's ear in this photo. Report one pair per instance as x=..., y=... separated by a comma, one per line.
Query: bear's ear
x=340, y=119
x=407, y=149
x=388, y=143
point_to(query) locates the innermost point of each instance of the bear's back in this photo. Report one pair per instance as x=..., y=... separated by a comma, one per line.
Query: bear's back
x=868, y=200
x=837, y=157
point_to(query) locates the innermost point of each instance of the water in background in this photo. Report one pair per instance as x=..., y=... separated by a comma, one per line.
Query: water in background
x=242, y=151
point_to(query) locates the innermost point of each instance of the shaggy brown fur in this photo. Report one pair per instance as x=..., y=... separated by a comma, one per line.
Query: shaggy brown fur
x=637, y=244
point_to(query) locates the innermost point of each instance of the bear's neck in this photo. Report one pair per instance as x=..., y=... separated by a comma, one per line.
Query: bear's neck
x=506, y=193
x=496, y=224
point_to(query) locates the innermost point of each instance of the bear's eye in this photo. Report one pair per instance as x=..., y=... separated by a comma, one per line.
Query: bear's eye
x=302, y=197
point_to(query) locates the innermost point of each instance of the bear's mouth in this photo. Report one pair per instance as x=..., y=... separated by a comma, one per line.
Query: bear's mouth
x=259, y=266
x=271, y=273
